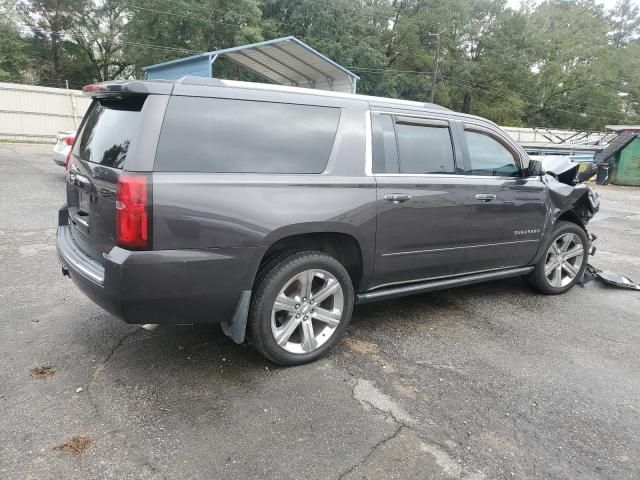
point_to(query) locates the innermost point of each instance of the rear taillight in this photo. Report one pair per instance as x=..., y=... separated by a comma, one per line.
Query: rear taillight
x=133, y=211
x=67, y=160
x=69, y=139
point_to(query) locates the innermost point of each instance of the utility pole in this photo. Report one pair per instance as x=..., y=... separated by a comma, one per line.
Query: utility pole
x=73, y=105
x=434, y=74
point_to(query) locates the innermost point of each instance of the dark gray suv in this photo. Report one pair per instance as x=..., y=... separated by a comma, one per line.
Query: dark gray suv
x=273, y=210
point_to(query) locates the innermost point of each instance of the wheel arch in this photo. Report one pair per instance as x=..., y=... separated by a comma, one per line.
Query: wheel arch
x=341, y=241
x=570, y=216
x=553, y=217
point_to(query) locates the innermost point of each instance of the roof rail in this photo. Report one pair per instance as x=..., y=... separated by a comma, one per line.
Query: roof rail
x=215, y=82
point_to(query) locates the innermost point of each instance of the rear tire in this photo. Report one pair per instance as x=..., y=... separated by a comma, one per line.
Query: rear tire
x=301, y=306
x=563, y=262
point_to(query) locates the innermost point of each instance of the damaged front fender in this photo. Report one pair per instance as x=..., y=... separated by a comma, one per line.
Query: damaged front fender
x=580, y=199
x=566, y=192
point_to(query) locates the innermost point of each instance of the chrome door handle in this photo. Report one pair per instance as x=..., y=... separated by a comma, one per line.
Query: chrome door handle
x=485, y=197
x=397, y=197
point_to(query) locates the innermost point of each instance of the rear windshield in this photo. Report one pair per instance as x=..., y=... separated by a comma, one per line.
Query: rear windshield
x=218, y=135
x=108, y=130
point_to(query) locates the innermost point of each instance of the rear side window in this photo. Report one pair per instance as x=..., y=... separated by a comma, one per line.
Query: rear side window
x=424, y=149
x=239, y=136
x=108, y=130
x=487, y=156
x=385, y=152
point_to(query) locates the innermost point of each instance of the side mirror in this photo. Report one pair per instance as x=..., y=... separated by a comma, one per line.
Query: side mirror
x=534, y=169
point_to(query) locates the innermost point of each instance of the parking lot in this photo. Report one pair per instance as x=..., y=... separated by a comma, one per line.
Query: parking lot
x=483, y=382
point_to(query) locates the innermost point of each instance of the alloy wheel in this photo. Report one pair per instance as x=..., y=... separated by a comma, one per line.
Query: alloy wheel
x=307, y=311
x=564, y=260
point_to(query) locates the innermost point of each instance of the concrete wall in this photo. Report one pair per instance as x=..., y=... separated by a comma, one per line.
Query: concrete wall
x=36, y=114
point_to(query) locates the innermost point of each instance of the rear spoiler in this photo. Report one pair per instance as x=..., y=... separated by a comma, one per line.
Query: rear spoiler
x=120, y=88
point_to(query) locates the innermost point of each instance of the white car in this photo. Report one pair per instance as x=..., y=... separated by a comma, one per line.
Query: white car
x=64, y=142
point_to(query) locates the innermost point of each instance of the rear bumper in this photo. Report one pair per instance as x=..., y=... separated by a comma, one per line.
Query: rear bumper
x=72, y=258
x=162, y=286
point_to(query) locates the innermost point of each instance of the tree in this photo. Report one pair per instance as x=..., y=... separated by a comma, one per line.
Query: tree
x=564, y=63
x=47, y=20
x=188, y=27
x=14, y=59
x=488, y=60
x=97, y=29
x=573, y=83
x=625, y=23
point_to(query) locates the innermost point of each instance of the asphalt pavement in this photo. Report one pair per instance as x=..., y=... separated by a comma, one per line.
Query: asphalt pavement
x=491, y=381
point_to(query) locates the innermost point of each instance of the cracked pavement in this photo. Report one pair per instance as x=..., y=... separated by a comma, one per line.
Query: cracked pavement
x=483, y=382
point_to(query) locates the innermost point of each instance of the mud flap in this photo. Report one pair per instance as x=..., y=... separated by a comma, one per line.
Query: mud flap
x=236, y=327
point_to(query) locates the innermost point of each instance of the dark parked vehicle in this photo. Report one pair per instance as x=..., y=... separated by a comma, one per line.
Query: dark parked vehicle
x=273, y=210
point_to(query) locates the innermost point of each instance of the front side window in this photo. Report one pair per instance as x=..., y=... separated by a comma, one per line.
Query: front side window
x=487, y=156
x=216, y=135
x=424, y=149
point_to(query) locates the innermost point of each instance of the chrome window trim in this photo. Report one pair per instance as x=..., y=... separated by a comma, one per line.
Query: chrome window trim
x=425, y=175
x=368, y=145
x=522, y=155
x=436, y=116
x=428, y=116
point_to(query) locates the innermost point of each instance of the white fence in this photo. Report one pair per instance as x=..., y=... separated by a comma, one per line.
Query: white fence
x=35, y=114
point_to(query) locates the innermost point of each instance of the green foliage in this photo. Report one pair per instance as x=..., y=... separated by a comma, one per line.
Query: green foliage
x=563, y=63
x=14, y=60
x=191, y=25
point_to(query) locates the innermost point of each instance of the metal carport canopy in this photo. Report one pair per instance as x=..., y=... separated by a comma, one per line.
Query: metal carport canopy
x=284, y=61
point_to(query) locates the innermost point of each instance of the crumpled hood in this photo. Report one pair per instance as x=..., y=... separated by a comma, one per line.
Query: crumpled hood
x=565, y=169
x=557, y=164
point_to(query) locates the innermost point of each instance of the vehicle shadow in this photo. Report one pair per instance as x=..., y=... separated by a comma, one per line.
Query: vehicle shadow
x=417, y=308
x=201, y=355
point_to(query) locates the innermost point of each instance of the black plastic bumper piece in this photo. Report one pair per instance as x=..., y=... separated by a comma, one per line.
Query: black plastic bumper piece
x=164, y=286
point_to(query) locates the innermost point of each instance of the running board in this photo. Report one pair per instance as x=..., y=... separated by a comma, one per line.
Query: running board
x=433, y=285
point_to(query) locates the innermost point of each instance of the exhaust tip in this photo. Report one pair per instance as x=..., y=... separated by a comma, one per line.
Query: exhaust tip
x=150, y=327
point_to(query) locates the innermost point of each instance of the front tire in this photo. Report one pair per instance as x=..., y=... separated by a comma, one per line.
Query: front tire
x=563, y=262
x=301, y=307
